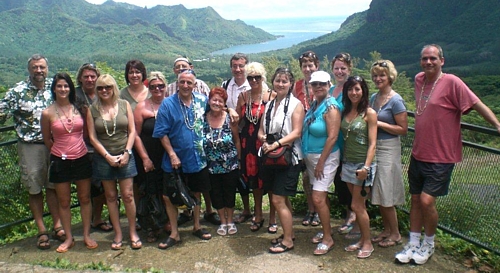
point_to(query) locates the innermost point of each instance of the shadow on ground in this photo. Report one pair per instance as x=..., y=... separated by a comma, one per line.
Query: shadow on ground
x=244, y=252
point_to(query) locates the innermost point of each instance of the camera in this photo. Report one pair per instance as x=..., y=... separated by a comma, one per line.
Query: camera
x=271, y=138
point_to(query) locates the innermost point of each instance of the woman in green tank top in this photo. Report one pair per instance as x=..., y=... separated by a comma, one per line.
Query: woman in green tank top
x=359, y=129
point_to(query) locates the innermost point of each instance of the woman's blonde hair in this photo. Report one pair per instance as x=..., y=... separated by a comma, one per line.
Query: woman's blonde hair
x=387, y=67
x=107, y=80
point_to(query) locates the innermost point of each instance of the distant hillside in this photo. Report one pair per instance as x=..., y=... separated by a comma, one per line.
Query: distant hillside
x=467, y=30
x=75, y=30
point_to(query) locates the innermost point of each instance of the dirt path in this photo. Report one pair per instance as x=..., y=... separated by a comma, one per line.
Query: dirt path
x=244, y=252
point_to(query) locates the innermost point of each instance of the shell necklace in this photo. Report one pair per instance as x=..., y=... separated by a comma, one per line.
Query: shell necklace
x=69, y=120
x=185, y=113
x=216, y=142
x=420, y=109
x=248, y=113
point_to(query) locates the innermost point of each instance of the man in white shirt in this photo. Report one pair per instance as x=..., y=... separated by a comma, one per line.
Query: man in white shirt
x=238, y=83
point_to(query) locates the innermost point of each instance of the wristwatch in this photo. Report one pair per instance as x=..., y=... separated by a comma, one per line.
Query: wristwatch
x=129, y=151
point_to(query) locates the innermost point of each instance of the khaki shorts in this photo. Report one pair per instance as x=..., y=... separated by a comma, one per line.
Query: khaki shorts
x=34, y=164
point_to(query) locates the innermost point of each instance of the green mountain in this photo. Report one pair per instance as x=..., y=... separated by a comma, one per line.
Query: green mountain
x=467, y=31
x=71, y=31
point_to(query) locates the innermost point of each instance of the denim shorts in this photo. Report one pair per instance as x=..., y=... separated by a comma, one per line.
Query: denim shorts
x=69, y=170
x=103, y=171
x=348, y=174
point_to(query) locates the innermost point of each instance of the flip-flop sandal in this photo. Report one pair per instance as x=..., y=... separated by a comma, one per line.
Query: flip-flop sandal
x=322, y=249
x=222, y=230
x=390, y=242
x=379, y=238
x=363, y=254
x=200, y=233
x=315, y=221
x=317, y=238
x=272, y=228
x=64, y=250
x=168, y=243
x=117, y=245
x=255, y=226
x=43, y=244
x=136, y=244
x=279, y=239
x=345, y=228
x=280, y=246
x=352, y=248
x=103, y=227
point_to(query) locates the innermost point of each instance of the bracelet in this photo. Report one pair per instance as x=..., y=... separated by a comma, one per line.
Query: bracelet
x=279, y=144
x=366, y=168
x=106, y=154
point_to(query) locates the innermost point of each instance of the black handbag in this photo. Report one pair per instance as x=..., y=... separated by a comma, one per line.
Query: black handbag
x=178, y=192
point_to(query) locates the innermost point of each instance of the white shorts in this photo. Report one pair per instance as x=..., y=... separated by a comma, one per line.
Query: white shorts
x=331, y=165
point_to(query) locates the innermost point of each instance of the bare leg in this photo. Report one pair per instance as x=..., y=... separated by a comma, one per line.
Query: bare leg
x=257, y=196
x=319, y=198
x=272, y=209
x=111, y=199
x=416, y=221
x=285, y=216
x=390, y=219
x=362, y=218
x=429, y=213
x=127, y=193
x=83, y=193
x=63, y=191
x=36, y=207
x=53, y=205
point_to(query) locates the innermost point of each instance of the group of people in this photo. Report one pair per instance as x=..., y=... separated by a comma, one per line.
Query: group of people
x=218, y=142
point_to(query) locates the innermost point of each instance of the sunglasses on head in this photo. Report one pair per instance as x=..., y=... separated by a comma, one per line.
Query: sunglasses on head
x=356, y=78
x=158, y=86
x=308, y=55
x=316, y=84
x=254, y=78
x=107, y=87
x=188, y=71
x=89, y=65
x=343, y=56
x=381, y=64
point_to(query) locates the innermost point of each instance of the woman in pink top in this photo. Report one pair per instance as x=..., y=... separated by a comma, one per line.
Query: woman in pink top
x=62, y=129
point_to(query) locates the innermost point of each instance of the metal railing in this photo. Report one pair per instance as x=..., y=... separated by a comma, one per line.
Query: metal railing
x=470, y=210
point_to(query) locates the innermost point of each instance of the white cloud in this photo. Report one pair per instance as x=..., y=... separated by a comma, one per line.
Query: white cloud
x=260, y=9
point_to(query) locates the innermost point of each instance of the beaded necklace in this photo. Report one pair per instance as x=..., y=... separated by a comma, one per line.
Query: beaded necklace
x=420, y=110
x=185, y=113
x=248, y=113
x=384, y=102
x=68, y=120
x=106, y=124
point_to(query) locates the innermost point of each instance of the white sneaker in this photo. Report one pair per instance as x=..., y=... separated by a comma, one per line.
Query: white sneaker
x=423, y=253
x=407, y=253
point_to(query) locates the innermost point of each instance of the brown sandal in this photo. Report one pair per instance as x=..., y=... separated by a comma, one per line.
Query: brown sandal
x=43, y=243
x=57, y=236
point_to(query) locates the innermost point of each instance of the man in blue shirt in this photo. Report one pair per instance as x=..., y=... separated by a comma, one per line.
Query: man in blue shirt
x=179, y=125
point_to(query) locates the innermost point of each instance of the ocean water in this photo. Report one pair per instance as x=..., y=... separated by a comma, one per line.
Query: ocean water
x=293, y=31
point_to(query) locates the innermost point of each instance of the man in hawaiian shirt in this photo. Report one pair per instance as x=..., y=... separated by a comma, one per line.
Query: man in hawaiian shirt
x=25, y=103
x=179, y=126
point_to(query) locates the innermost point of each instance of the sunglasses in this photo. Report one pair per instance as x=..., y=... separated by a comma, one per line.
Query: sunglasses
x=107, y=87
x=308, y=55
x=316, y=84
x=356, y=78
x=188, y=71
x=381, y=64
x=88, y=65
x=254, y=78
x=343, y=56
x=158, y=86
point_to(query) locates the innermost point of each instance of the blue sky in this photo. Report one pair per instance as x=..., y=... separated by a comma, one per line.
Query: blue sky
x=260, y=9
